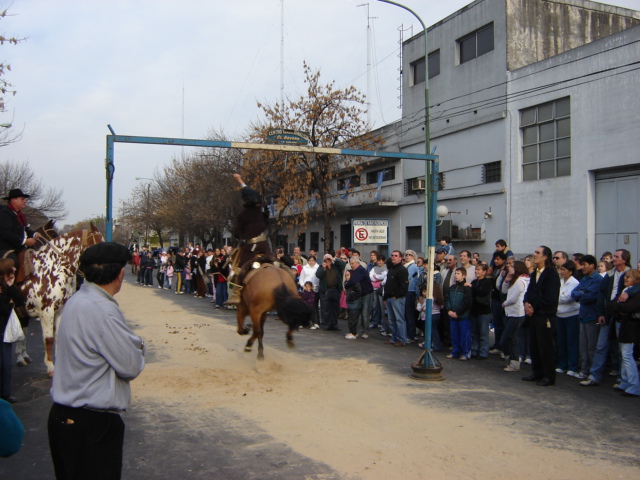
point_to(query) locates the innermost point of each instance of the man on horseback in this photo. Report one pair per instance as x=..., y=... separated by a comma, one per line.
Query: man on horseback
x=249, y=230
x=15, y=234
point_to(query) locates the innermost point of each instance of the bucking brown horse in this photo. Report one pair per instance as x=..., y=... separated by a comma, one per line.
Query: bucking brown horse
x=269, y=288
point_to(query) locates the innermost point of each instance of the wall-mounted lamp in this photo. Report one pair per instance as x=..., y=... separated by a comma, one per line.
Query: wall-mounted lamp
x=488, y=214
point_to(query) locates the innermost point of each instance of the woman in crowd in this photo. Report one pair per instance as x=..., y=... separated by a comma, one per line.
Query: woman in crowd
x=568, y=323
x=10, y=298
x=514, y=313
x=627, y=315
x=220, y=270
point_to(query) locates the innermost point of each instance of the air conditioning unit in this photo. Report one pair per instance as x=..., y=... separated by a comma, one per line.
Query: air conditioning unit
x=417, y=184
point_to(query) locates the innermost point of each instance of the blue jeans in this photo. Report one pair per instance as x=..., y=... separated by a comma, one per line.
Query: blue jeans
x=480, y=335
x=395, y=310
x=167, y=282
x=367, y=306
x=498, y=322
x=568, y=335
x=524, y=340
x=378, y=309
x=509, y=340
x=436, y=344
x=460, y=337
x=589, y=335
x=222, y=293
x=628, y=369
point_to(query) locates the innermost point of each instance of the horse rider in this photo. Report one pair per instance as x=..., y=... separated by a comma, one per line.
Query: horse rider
x=15, y=234
x=251, y=224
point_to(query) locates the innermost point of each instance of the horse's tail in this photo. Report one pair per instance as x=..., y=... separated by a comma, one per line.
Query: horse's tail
x=291, y=309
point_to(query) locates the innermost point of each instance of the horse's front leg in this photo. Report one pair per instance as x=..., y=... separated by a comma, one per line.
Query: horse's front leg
x=290, y=343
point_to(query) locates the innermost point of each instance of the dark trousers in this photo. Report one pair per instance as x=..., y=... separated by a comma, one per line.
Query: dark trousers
x=498, y=322
x=85, y=443
x=330, y=308
x=6, y=366
x=543, y=346
x=410, y=314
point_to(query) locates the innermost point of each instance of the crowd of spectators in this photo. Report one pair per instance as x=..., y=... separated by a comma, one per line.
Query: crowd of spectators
x=187, y=270
x=578, y=315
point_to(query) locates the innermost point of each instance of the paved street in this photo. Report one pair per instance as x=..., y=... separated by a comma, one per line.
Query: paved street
x=593, y=423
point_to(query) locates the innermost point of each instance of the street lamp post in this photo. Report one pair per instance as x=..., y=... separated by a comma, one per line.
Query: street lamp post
x=427, y=368
x=146, y=220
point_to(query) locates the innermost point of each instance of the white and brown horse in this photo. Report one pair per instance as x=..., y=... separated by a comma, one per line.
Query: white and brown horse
x=54, y=281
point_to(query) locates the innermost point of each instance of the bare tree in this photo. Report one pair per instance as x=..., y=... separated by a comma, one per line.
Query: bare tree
x=7, y=136
x=46, y=200
x=304, y=185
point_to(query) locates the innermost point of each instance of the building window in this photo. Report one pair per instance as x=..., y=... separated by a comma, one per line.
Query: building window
x=492, y=172
x=388, y=173
x=476, y=43
x=354, y=181
x=417, y=71
x=434, y=63
x=314, y=241
x=302, y=241
x=414, y=239
x=546, y=140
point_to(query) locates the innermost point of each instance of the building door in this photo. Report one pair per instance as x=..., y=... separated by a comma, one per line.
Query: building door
x=617, y=217
x=345, y=236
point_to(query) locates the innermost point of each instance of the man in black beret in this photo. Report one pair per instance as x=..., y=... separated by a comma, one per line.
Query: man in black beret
x=251, y=224
x=97, y=357
x=15, y=234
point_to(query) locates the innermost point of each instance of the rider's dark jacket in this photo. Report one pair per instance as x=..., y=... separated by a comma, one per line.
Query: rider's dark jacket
x=12, y=234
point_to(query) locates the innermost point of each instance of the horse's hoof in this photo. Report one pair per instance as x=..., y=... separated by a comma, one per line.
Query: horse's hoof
x=290, y=344
x=260, y=356
x=244, y=331
x=247, y=349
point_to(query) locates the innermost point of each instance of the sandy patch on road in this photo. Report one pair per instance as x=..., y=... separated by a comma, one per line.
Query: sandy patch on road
x=349, y=414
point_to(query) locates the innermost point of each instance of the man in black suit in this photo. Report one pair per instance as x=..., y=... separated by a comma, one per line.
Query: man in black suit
x=541, y=305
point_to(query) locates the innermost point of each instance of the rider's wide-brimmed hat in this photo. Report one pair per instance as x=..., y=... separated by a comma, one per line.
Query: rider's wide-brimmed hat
x=16, y=193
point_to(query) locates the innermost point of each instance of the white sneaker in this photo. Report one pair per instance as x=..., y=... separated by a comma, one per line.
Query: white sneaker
x=559, y=370
x=571, y=373
x=494, y=351
x=580, y=376
x=365, y=335
x=350, y=336
x=313, y=327
x=614, y=373
x=528, y=360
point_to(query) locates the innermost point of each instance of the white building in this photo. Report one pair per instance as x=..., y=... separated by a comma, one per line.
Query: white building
x=534, y=112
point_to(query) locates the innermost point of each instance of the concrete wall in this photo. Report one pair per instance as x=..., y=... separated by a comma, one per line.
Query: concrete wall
x=560, y=212
x=539, y=29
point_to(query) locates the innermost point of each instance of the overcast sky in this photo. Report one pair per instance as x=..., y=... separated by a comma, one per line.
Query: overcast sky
x=86, y=64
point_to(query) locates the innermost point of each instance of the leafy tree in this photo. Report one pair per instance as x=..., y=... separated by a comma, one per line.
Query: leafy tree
x=45, y=200
x=304, y=185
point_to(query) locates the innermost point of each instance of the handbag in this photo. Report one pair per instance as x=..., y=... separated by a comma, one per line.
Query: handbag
x=13, y=331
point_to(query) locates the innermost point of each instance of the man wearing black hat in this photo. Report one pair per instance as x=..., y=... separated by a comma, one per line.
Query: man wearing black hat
x=15, y=234
x=97, y=356
x=249, y=230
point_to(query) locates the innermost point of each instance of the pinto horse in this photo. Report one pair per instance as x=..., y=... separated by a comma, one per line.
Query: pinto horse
x=54, y=279
x=265, y=289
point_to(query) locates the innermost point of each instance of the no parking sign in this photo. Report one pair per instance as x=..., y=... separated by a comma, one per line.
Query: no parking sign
x=370, y=231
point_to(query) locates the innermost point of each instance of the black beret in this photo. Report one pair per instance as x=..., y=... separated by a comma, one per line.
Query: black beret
x=106, y=252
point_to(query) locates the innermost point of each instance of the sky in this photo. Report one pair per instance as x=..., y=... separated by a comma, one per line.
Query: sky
x=181, y=69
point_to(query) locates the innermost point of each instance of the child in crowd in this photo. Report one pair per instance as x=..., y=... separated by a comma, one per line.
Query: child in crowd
x=311, y=298
x=186, y=273
x=354, y=307
x=458, y=303
x=168, y=274
x=604, y=267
